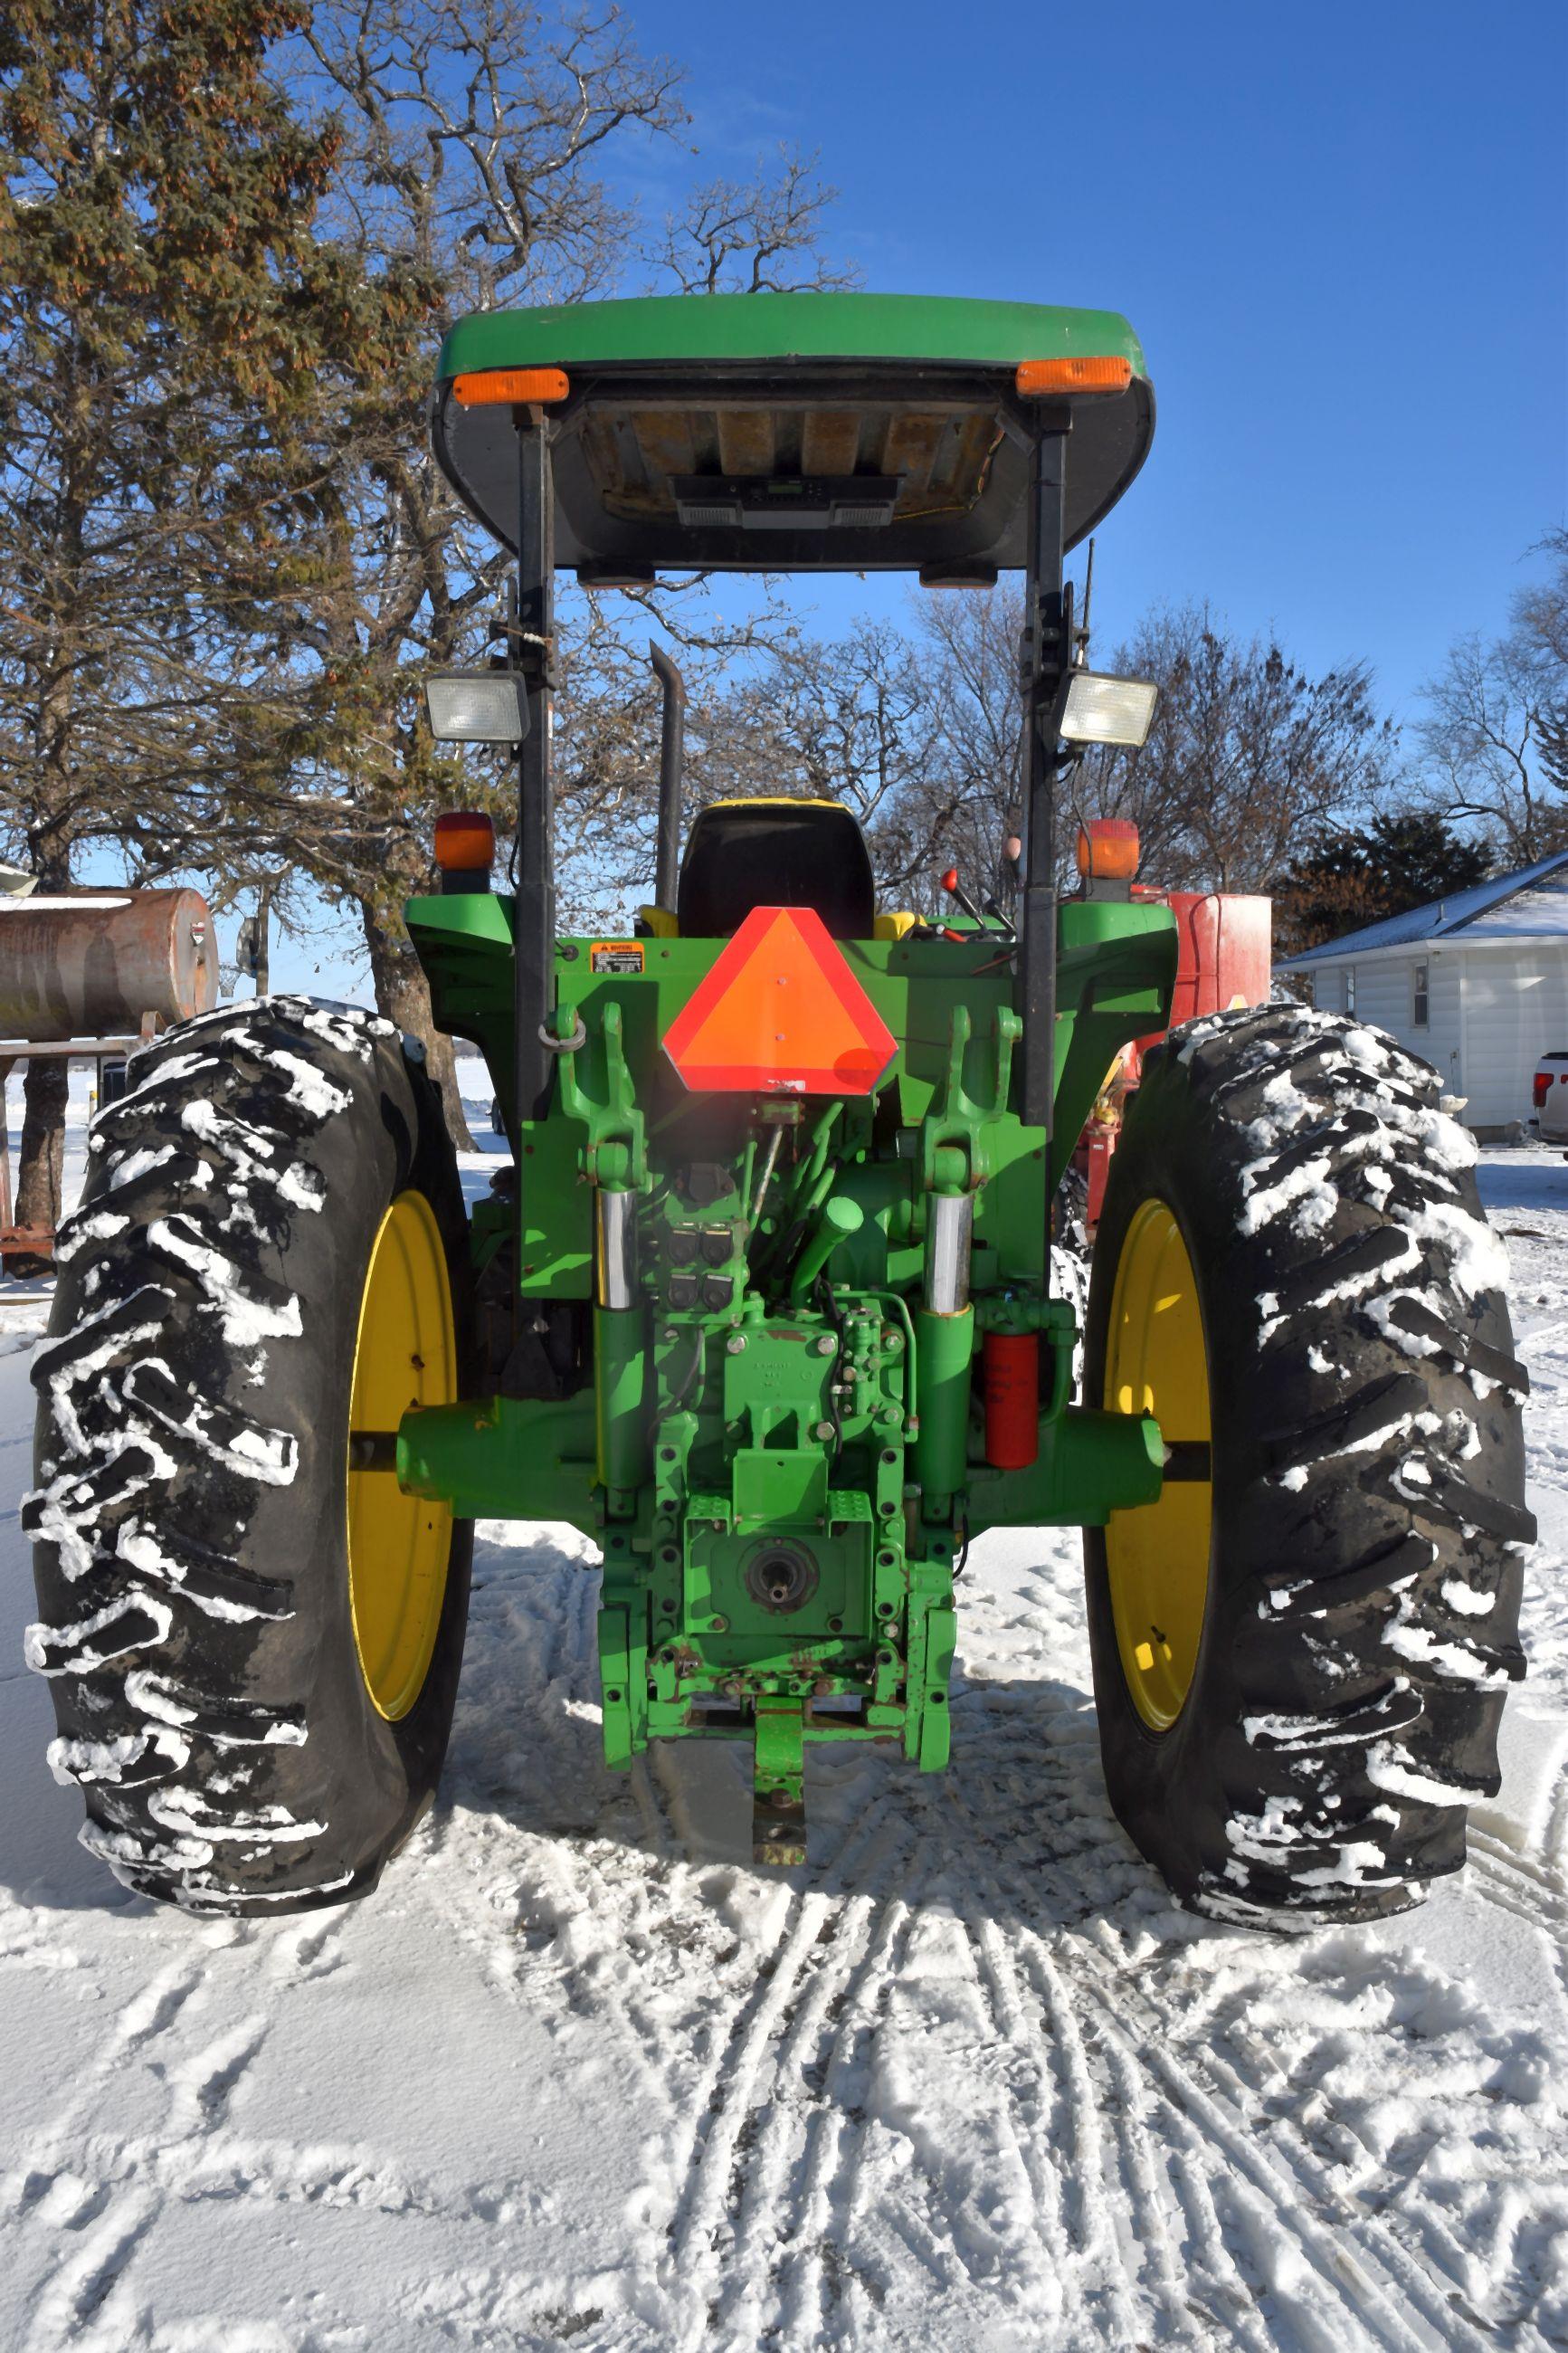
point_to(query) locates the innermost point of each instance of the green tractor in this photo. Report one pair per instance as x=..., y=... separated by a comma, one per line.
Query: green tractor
x=763, y=1302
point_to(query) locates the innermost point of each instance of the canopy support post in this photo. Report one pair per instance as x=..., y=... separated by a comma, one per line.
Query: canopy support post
x=534, y=649
x=1046, y=651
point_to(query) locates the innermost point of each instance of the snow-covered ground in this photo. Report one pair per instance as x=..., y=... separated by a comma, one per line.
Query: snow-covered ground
x=578, y=2076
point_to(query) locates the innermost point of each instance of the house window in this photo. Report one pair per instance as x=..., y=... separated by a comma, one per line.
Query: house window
x=1420, y=1014
x=1349, y=988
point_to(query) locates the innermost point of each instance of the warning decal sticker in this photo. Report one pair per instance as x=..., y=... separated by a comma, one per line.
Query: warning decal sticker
x=615, y=955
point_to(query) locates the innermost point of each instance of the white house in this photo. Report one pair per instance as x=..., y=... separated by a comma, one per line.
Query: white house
x=1477, y=984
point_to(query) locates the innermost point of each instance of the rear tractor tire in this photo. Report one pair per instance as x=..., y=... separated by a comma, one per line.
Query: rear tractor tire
x=253, y=1647
x=1301, y=1652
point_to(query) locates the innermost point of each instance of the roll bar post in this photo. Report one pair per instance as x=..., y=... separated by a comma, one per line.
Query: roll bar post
x=1046, y=655
x=533, y=935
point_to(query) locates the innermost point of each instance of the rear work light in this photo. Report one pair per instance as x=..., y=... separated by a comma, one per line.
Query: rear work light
x=1100, y=710
x=511, y=388
x=477, y=706
x=1102, y=372
x=1542, y=1081
x=465, y=849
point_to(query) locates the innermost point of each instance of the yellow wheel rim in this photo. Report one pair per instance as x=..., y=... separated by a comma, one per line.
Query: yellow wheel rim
x=405, y=1354
x=1158, y=1557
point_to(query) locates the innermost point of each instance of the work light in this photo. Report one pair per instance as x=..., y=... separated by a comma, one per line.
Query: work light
x=477, y=706
x=1100, y=710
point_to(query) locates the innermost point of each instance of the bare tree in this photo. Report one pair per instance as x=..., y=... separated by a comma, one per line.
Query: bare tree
x=755, y=237
x=1495, y=738
x=918, y=731
x=968, y=800
x=1486, y=738
x=1248, y=758
x=1541, y=632
x=923, y=733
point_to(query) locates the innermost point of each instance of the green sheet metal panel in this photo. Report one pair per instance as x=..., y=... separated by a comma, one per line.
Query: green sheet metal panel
x=696, y=328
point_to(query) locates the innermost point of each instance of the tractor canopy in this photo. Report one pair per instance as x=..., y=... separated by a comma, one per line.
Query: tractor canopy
x=815, y=432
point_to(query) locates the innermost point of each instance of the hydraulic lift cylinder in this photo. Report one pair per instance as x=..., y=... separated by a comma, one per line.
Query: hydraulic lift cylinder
x=618, y=1420
x=619, y=1332
x=949, y=1236
x=944, y=1348
x=615, y=1248
x=945, y=1344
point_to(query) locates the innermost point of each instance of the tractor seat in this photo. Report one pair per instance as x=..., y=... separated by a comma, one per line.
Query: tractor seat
x=775, y=853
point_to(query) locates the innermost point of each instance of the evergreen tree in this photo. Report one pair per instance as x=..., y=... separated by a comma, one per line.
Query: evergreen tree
x=164, y=306
x=1400, y=860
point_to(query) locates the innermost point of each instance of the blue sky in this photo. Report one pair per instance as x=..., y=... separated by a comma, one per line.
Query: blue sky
x=1340, y=231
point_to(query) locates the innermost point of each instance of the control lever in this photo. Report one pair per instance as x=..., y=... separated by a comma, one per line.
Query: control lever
x=956, y=890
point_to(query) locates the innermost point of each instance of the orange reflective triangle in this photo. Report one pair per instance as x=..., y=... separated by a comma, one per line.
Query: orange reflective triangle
x=780, y=1012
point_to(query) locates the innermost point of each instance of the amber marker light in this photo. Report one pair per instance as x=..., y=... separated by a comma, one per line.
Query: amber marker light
x=511, y=388
x=1099, y=373
x=1108, y=849
x=465, y=849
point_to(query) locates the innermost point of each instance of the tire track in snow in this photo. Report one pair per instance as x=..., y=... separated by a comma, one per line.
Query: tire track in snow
x=1218, y=2109
x=800, y=2272
x=1195, y=2079
x=100, y=2194
x=1374, y=2292
x=1518, y=1881
x=124, y=2183
x=79, y=2303
x=782, y=2205
x=805, y=2237
x=1068, y=2154
x=1385, y=2290
x=1527, y=1889
x=722, y=2160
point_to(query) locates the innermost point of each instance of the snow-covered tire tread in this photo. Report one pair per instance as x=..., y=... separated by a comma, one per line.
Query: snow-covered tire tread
x=189, y=1454
x=1362, y=1627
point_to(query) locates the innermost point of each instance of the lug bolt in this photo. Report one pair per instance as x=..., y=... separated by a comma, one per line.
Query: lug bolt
x=826, y=1345
x=822, y=1430
x=735, y=1346
x=719, y=1625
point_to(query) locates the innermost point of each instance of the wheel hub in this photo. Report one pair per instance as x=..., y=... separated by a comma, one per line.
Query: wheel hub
x=1158, y=1558
x=398, y=1546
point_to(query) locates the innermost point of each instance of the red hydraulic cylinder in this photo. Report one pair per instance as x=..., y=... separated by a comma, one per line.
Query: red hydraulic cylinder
x=1012, y=1372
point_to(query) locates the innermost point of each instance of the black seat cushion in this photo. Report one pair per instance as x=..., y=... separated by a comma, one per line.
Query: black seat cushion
x=775, y=853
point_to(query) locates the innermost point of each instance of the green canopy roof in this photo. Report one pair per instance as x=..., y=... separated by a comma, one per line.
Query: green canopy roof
x=780, y=432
